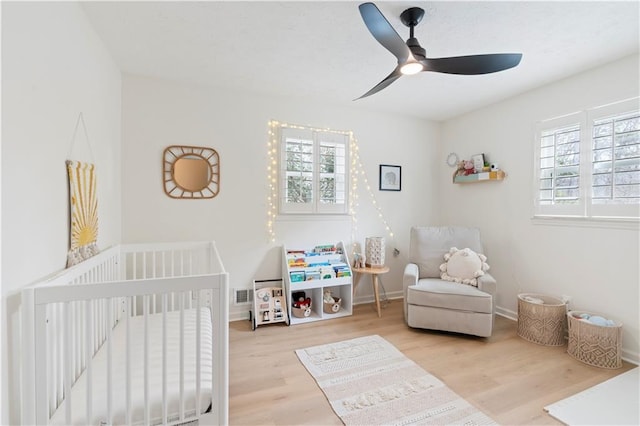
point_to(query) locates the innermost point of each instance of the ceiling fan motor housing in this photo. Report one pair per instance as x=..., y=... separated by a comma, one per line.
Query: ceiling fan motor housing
x=417, y=50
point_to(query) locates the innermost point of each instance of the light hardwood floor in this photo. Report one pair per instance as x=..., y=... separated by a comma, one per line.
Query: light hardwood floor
x=505, y=376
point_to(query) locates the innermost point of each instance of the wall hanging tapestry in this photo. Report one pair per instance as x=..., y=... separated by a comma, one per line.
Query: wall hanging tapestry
x=368, y=381
x=83, y=212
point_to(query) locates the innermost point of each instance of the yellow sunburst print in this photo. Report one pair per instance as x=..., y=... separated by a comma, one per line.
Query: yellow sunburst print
x=83, y=203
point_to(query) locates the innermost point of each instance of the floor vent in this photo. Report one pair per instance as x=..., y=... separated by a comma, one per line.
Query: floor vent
x=242, y=296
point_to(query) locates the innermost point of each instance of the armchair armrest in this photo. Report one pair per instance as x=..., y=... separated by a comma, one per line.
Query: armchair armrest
x=487, y=284
x=409, y=277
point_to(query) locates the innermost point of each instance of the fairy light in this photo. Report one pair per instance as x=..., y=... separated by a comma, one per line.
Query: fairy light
x=272, y=179
x=356, y=173
x=358, y=169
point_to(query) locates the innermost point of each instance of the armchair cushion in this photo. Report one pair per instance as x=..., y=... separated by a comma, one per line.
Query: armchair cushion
x=437, y=293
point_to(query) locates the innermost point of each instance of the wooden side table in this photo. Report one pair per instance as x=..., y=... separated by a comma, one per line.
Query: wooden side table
x=374, y=272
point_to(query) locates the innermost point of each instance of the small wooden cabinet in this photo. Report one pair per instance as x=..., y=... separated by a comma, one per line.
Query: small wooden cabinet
x=315, y=271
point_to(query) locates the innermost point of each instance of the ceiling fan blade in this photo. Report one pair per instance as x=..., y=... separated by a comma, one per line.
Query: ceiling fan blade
x=396, y=74
x=473, y=64
x=382, y=31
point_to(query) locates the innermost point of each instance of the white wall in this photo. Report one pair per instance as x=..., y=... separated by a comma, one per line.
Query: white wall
x=158, y=113
x=597, y=266
x=53, y=67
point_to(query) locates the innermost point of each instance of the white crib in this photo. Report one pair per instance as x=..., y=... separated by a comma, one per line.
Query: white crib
x=135, y=335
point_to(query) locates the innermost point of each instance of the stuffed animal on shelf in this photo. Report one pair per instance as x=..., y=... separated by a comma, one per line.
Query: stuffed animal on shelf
x=465, y=168
x=302, y=304
x=468, y=167
x=328, y=298
x=358, y=260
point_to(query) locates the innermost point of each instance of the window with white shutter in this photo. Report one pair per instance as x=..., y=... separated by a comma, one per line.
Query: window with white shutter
x=588, y=163
x=313, y=172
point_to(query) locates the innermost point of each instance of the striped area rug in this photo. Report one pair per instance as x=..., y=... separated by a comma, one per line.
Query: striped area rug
x=369, y=382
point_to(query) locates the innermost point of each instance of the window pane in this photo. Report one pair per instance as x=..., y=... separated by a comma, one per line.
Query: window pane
x=545, y=183
x=546, y=163
x=299, y=155
x=546, y=195
x=602, y=167
x=626, y=191
x=602, y=179
x=559, y=165
x=602, y=192
x=625, y=178
x=567, y=160
x=548, y=139
x=628, y=125
x=604, y=129
x=628, y=139
x=327, y=190
x=298, y=189
x=616, y=170
x=567, y=182
x=602, y=155
x=603, y=142
x=546, y=152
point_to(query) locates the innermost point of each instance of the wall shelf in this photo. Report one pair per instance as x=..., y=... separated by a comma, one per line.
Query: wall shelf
x=480, y=177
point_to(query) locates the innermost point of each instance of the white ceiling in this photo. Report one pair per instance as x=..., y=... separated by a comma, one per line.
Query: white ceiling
x=322, y=50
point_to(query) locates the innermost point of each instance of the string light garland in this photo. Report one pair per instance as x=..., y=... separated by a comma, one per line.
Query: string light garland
x=356, y=173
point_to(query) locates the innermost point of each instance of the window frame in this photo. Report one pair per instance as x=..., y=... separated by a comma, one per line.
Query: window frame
x=585, y=209
x=316, y=138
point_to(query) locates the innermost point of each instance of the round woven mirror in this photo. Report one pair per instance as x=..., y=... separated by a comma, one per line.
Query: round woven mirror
x=191, y=172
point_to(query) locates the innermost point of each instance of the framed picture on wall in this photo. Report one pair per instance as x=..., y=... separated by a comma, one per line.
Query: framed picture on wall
x=390, y=177
x=478, y=162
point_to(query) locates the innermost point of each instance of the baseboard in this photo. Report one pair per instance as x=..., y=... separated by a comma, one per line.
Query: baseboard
x=239, y=312
x=361, y=300
x=507, y=313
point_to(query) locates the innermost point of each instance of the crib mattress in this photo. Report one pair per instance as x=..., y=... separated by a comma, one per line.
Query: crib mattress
x=99, y=372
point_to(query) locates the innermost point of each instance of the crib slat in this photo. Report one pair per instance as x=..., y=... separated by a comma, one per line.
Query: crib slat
x=109, y=365
x=145, y=312
x=181, y=302
x=83, y=336
x=198, y=355
x=50, y=349
x=60, y=366
x=127, y=324
x=164, y=358
x=135, y=266
x=42, y=413
x=69, y=368
x=88, y=355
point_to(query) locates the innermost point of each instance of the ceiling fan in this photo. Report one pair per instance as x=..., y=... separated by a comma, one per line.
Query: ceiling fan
x=412, y=57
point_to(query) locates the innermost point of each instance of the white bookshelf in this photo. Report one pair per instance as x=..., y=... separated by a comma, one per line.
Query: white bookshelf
x=306, y=262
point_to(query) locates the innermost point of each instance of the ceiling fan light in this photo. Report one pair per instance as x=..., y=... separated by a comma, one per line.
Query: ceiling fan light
x=411, y=68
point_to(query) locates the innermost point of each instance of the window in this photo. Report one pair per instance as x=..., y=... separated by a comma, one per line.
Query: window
x=313, y=177
x=588, y=163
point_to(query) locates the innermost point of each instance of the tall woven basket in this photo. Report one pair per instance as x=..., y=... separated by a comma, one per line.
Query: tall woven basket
x=594, y=344
x=543, y=323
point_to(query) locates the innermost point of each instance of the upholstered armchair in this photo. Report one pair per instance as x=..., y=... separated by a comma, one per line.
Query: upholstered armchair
x=436, y=304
